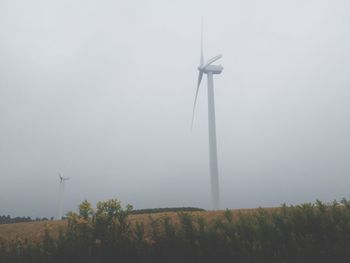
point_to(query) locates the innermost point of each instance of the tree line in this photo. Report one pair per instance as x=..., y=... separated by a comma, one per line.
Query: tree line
x=167, y=209
x=7, y=219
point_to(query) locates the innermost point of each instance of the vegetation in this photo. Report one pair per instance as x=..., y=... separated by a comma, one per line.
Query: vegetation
x=305, y=233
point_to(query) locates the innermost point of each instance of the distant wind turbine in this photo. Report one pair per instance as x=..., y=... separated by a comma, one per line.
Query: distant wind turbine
x=61, y=192
x=208, y=68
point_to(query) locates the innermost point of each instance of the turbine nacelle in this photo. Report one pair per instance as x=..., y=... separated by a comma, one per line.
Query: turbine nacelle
x=207, y=66
x=62, y=179
x=214, y=69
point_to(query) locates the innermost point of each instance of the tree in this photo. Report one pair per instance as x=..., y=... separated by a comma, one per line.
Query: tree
x=85, y=210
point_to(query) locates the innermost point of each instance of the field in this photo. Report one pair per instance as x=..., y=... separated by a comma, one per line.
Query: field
x=304, y=233
x=35, y=231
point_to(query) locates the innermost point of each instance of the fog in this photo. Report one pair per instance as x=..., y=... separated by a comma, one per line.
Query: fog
x=102, y=91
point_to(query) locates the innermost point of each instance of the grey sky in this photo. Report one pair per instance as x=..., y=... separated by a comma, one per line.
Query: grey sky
x=103, y=92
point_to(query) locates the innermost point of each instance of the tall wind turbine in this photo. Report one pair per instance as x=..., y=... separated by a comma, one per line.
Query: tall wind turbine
x=208, y=68
x=61, y=192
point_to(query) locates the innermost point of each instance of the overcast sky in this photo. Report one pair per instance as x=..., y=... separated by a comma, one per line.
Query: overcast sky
x=102, y=91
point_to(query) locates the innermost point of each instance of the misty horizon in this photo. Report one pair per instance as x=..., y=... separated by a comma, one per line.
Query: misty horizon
x=102, y=92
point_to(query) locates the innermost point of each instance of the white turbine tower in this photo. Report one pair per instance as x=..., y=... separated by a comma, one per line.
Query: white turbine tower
x=61, y=192
x=210, y=69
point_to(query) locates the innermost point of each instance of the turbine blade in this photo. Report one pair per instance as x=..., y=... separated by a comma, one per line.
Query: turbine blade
x=212, y=60
x=202, y=56
x=195, y=98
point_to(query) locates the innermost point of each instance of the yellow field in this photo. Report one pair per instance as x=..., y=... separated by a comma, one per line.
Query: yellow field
x=34, y=231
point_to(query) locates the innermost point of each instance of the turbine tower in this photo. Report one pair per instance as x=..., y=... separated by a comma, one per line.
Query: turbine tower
x=61, y=192
x=208, y=68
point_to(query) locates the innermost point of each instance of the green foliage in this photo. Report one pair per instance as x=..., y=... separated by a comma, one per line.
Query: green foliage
x=305, y=233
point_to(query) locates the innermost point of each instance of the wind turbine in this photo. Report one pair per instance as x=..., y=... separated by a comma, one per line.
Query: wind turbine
x=208, y=68
x=61, y=192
